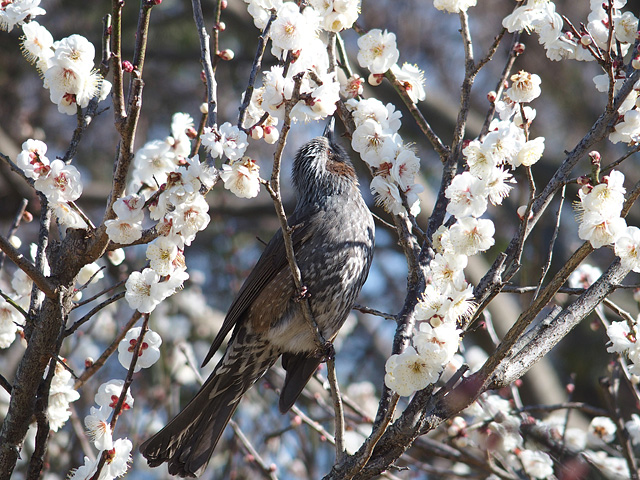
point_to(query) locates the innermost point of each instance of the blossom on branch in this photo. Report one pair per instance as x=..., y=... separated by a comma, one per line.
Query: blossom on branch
x=378, y=51
x=242, y=177
x=148, y=353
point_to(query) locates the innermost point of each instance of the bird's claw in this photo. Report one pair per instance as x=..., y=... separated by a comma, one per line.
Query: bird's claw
x=326, y=352
x=302, y=294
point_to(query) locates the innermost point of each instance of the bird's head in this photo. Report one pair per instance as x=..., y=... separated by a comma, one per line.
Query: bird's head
x=322, y=167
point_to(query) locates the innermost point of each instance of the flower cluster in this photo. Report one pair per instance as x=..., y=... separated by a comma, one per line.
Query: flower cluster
x=599, y=209
x=337, y=15
x=61, y=394
x=9, y=321
x=60, y=183
x=540, y=16
x=448, y=296
x=394, y=163
x=17, y=11
x=178, y=206
x=66, y=66
x=157, y=158
x=98, y=425
x=624, y=340
x=491, y=428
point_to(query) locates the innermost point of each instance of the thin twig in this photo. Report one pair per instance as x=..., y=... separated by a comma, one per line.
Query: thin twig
x=337, y=407
x=373, y=311
x=255, y=68
x=556, y=229
x=98, y=295
x=266, y=470
x=85, y=318
x=14, y=226
x=205, y=59
x=42, y=282
x=95, y=366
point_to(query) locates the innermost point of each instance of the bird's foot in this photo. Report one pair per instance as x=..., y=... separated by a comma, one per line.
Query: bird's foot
x=326, y=352
x=302, y=294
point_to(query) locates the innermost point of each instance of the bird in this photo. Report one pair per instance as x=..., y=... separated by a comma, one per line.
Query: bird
x=333, y=235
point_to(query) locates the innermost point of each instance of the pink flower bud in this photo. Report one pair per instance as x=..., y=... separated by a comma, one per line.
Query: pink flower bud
x=375, y=79
x=226, y=54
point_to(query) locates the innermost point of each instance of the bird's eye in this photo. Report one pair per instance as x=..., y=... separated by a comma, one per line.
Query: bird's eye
x=330, y=154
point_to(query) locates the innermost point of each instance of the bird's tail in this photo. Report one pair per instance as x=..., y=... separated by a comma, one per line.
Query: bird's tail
x=187, y=442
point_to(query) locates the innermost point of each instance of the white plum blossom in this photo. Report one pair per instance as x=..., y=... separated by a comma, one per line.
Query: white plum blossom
x=92, y=272
x=405, y=167
x=479, y=157
x=471, y=235
x=633, y=427
x=526, y=16
x=530, y=153
x=623, y=337
x=37, y=45
x=584, y=276
x=32, y=160
x=9, y=320
x=437, y=344
x=600, y=229
x=627, y=247
x=337, y=15
x=61, y=183
x=497, y=185
x=408, y=372
x=387, y=195
x=626, y=28
x=162, y=254
x=292, y=29
x=242, y=177
x=108, y=395
x=123, y=232
x=537, y=464
x=129, y=208
x=627, y=131
x=229, y=140
x=372, y=108
x=61, y=394
x=67, y=216
x=260, y=10
x=99, y=428
x=15, y=12
x=70, y=77
x=607, y=197
x=118, y=459
x=454, y=6
x=152, y=163
x=601, y=430
x=412, y=79
x=149, y=351
x=525, y=87
x=85, y=471
x=142, y=292
x=467, y=196
x=369, y=139
x=377, y=50
x=448, y=269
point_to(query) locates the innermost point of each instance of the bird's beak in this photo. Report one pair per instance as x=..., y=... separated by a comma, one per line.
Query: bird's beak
x=328, y=130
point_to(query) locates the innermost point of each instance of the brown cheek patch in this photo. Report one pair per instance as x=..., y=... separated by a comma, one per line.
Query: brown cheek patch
x=340, y=168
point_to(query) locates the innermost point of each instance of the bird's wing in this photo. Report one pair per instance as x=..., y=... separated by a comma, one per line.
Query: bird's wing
x=272, y=261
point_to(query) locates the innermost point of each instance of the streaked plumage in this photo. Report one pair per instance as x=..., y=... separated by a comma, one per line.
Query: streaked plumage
x=333, y=241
